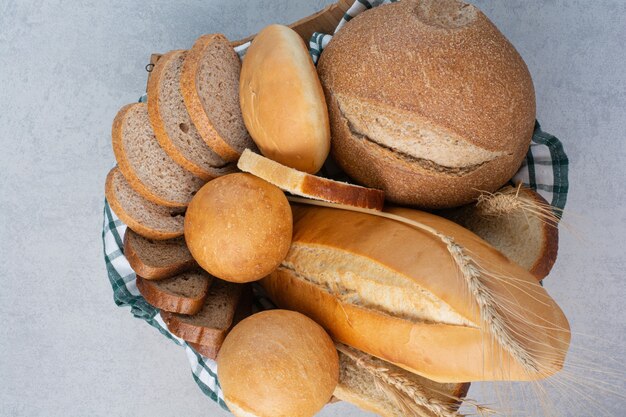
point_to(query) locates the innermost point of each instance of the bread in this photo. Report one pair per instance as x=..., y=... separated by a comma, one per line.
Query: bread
x=451, y=312
x=145, y=165
x=238, y=227
x=282, y=101
x=212, y=321
x=140, y=215
x=277, y=363
x=157, y=259
x=363, y=382
x=310, y=186
x=184, y=293
x=428, y=101
x=244, y=309
x=172, y=125
x=210, y=87
x=519, y=223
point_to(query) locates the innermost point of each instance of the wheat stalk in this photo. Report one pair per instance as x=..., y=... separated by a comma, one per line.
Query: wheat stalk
x=492, y=320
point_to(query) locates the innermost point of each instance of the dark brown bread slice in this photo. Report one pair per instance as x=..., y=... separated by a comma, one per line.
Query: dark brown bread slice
x=210, y=87
x=157, y=259
x=244, y=309
x=210, y=325
x=172, y=125
x=184, y=293
x=145, y=165
x=142, y=216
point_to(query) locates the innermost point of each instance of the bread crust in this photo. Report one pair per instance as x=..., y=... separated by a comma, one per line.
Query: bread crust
x=464, y=78
x=136, y=226
x=189, y=90
x=550, y=248
x=170, y=302
x=441, y=352
x=153, y=272
x=158, y=125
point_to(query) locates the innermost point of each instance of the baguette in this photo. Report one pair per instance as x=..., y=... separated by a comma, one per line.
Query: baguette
x=157, y=259
x=184, y=293
x=396, y=292
x=311, y=186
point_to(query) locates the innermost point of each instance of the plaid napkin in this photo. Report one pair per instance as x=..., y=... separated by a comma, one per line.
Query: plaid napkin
x=544, y=170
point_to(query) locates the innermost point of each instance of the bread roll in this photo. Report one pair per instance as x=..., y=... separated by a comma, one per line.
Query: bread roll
x=428, y=101
x=395, y=292
x=238, y=227
x=282, y=100
x=277, y=363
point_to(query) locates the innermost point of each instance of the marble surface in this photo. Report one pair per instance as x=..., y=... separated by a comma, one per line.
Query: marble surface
x=66, y=67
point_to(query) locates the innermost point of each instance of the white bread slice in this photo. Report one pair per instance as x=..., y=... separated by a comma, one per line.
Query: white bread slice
x=157, y=259
x=172, y=125
x=210, y=87
x=145, y=165
x=140, y=215
x=518, y=222
x=311, y=186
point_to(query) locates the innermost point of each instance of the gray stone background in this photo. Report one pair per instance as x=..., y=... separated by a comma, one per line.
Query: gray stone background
x=65, y=69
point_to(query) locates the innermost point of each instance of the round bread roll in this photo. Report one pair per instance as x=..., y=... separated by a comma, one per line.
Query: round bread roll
x=428, y=101
x=238, y=227
x=283, y=102
x=277, y=363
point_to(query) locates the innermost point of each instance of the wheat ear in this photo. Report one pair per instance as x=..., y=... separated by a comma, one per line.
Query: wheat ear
x=509, y=199
x=405, y=393
x=491, y=318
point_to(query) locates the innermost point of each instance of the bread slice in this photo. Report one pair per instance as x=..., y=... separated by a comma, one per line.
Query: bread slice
x=157, y=259
x=244, y=309
x=172, y=125
x=140, y=215
x=210, y=325
x=360, y=385
x=146, y=166
x=184, y=293
x=307, y=185
x=210, y=87
x=517, y=222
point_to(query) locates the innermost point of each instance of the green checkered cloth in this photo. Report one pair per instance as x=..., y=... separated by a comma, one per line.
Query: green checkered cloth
x=544, y=170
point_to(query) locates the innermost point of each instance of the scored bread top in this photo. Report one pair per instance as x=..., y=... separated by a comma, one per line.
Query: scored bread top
x=210, y=87
x=172, y=124
x=157, y=259
x=146, y=166
x=311, y=186
x=184, y=293
x=144, y=217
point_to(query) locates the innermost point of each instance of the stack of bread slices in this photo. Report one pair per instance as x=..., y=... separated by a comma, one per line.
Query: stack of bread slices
x=191, y=130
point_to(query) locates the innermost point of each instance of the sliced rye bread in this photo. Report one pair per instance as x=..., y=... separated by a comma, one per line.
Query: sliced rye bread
x=172, y=125
x=140, y=215
x=210, y=87
x=184, y=293
x=244, y=309
x=145, y=165
x=360, y=387
x=310, y=186
x=210, y=325
x=157, y=259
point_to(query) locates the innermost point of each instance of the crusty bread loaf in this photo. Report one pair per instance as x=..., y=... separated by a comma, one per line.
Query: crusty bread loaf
x=145, y=165
x=277, y=363
x=428, y=101
x=364, y=382
x=213, y=319
x=144, y=217
x=157, y=259
x=519, y=223
x=282, y=101
x=210, y=87
x=172, y=125
x=184, y=293
x=451, y=312
x=307, y=185
x=238, y=227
